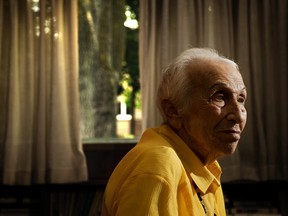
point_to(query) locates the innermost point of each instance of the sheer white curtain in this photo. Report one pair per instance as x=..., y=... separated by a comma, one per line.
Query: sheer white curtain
x=168, y=27
x=254, y=34
x=39, y=112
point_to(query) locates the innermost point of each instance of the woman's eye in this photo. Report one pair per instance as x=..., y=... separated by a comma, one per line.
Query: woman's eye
x=241, y=100
x=218, y=99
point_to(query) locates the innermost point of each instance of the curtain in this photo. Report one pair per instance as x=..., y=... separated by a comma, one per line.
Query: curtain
x=254, y=34
x=167, y=28
x=39, y=113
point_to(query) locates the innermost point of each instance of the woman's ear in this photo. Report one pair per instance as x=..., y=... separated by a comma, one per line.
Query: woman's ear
x=171, y=112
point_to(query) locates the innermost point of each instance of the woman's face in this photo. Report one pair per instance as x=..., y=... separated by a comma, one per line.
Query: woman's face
x=216, y=115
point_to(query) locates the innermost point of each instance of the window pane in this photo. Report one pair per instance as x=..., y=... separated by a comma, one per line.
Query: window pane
x=109, y=73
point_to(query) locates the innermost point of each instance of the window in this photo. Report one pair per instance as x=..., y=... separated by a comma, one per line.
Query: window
x=109, y=72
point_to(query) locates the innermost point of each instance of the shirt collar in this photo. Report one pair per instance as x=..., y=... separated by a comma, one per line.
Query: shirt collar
x=205, y=177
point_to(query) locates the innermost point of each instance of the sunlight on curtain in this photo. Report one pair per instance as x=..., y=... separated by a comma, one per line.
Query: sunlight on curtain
x=254, y=34
x=40, y=136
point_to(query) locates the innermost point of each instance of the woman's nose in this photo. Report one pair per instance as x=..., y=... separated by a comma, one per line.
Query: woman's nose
x=237, y=112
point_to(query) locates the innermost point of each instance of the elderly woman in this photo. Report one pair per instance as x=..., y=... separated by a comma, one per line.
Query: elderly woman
x=173, y=170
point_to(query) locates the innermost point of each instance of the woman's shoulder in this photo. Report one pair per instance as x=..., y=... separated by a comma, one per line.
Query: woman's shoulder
x=157, y=160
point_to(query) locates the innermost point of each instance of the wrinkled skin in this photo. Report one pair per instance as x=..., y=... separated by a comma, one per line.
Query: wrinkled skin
x=212, y=123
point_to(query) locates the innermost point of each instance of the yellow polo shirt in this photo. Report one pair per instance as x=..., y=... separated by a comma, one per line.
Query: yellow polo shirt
x=161, y=176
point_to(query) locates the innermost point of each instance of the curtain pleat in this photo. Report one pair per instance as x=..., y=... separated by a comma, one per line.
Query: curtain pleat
x=40, y=134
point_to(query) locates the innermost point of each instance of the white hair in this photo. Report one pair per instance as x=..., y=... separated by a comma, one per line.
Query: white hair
x=176, y=84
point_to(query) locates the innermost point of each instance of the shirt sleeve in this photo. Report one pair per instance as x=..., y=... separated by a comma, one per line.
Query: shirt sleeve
x=146, y=194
